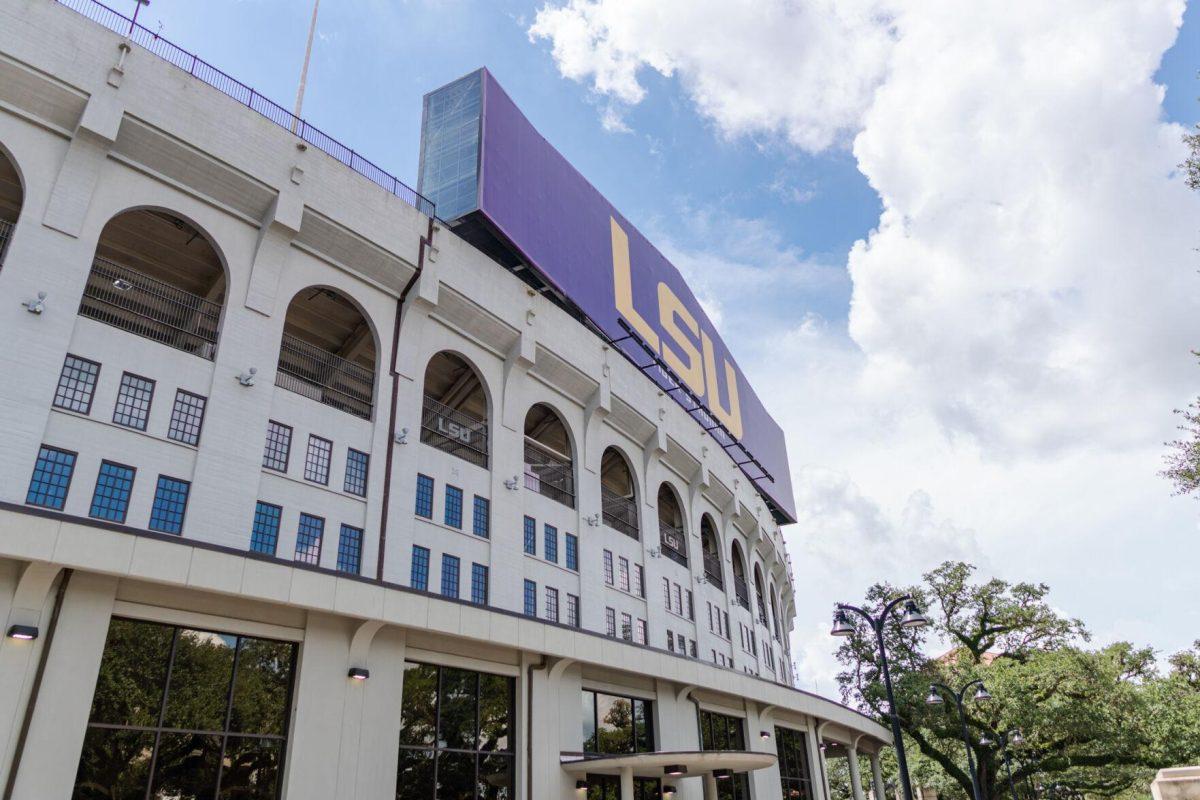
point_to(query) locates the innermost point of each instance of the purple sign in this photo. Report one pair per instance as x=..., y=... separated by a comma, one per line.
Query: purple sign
x=594, y=257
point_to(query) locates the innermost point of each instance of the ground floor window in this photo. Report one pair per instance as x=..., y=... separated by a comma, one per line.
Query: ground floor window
x=725, y=732
x=455, y=736
x=793, y=764
x=608, y=787
x=187, y=713
x=614, y=724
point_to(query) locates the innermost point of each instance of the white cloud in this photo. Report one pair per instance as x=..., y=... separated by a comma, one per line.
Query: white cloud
x=1020, y=319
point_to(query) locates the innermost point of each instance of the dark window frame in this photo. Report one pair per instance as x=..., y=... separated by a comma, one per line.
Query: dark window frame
x=99, y=474
x=33, y=475
x=154, y=504
x=120, y=394
x=91, y=394
x=287, y=448
x=316, y=562
x=313, y=466
x=352, y=469
x=192, y=440
x=344, y=553
x=254, y=527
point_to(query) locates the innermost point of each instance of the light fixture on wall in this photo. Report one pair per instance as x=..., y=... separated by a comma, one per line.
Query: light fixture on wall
x=722, y=774
x=247, y=378
x=581, y=785
x=654, y=552
x=511, y=483
x=36, y=306
x=359, y=673
x=402, y=436
x=122, y=285
x=764, y=734
x=26, y=632
x=674, y=770
x=668, y=791
x=593, y=520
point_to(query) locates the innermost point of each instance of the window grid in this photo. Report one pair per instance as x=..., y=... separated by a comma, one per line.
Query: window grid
x=530, y=598
x=626, y=627
x=531, y=536
x=424, y=506
x=624, y=573
x=264, y=535
x=449, y=575
x=639, y=580
x=349, y=555
x=187, y=417
x=51, y=478
x=114, y=484
x=77, y=384
x=419, y=577
x=551, y=533
x=552, y=604
x=573, y=610
x=479, y=584
x=278, y=446
x=357, y=464
x=308, y=539
x=133, y=401
x=317, y=458
x=170, y=504
x=452, y=514
x=572, y=544
x=481, y=520
x=640, y=633
x=610, y=620
x=608, y=567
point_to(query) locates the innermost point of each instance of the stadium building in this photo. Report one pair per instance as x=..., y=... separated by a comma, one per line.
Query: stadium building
x=315, y=486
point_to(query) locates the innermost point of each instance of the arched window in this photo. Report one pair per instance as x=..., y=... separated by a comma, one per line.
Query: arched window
x=328, y=351
x=11, y=198
x=454, y=415
x=618, y=496
x=549, y=468
x=672, y=537
x=711, y=548
x=740, y=590
x=760, y=595
x=158, y=276
x=774, y=610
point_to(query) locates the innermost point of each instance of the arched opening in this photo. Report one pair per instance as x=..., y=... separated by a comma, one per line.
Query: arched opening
x=157, y=276
x=454, y=414
x=549, y=468
x=672, y=538
x=760, y=595
x=711, y=551
x=775, y=611
x=12, y=196
x=740, y=590
x=327, y=352
x=618, y=495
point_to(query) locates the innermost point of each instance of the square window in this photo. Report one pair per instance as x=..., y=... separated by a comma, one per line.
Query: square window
x=552, y=604
x=114, y=484
x=187, y=416
x=170, y=503
x=356, y=472
x=531, y=536
x=481, y=522
x=350, y=550
x=479, y=584
x=573, y=610
x=552, y=544
x=278, y=447
x=133, y=401
x=530, y=598
x=419, y=577
x=449, y=575
x=308, y=539
x=265, y=533
x=452, y=515
x=77, y=384
x=51, y=478
x=572, y=543
x=424, y=497
x=317, y=458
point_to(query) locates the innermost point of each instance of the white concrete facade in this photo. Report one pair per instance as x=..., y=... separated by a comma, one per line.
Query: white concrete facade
x=89, y=141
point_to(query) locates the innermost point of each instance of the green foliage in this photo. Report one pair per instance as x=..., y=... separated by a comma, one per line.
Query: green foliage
x=1183, y=457
x=1099, y=721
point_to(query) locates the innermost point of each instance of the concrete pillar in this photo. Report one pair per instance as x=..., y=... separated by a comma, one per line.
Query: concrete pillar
x=816, y=761
x=877, y=778
x=710, y=787
x=627, y=783
x=855, y=776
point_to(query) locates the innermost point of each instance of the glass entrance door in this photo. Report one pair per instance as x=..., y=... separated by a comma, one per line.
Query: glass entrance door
x=608, y=787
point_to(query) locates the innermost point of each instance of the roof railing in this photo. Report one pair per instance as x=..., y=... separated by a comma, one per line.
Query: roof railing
x=712, y=570
x=454, y=431
x=673, y=542
x=5, y=235
x=228, y=85
x=742, y=592
x=549, y=475
x=320, y=375
x=619, y=512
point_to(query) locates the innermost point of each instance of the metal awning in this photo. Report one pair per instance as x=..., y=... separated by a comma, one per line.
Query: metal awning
x=651, y=765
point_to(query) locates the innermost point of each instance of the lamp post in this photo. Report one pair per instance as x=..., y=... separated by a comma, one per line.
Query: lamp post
x=981, y=694
x=1003, y=740
x=911, y=619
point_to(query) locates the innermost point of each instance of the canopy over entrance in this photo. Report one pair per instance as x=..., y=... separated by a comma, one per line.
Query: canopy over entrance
x=651, y=765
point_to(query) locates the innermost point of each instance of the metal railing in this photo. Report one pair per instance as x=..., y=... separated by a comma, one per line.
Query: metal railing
x=5, y=235
x=742, y=592
x=712, y=570
x=308, y=370
x=549, y=475
x=125, y=298
x=619, y=513
x=230, y=86
x=673, y=543
x=455, y=432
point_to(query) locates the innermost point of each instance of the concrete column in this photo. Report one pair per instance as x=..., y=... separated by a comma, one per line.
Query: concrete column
x=710, y=787
x=855, y=776
x=877, y=778
x=627, y=783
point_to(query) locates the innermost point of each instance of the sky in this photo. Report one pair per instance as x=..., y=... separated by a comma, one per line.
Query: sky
x=947, y=242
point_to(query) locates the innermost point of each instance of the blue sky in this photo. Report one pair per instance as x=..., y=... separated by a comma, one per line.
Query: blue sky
x=969, y=296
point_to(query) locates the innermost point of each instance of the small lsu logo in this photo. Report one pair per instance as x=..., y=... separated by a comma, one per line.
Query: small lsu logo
x=452, y=430
x=684, y=346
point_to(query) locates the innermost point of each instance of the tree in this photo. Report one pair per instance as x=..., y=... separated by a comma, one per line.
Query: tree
x=1098, y=721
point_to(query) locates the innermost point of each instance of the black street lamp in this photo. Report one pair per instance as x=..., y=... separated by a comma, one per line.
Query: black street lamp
x=981, y=694
x=1015, y=739
x=912, y=618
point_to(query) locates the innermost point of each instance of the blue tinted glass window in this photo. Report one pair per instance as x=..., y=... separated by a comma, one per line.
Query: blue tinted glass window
x=531, y=536
x=450, y=146
x=170, y=503
x=481, y=522
x=308, y=539
x=350, y=550
x=530, y=598
x=356, y=472
x=479, y=584
x=114, y=484
x=552, y=543
x=454, y=501
x=424, y=496
x=449, y=575
x=572, y=542
x=420, y=568
x=265, y=533
x=51, y=478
